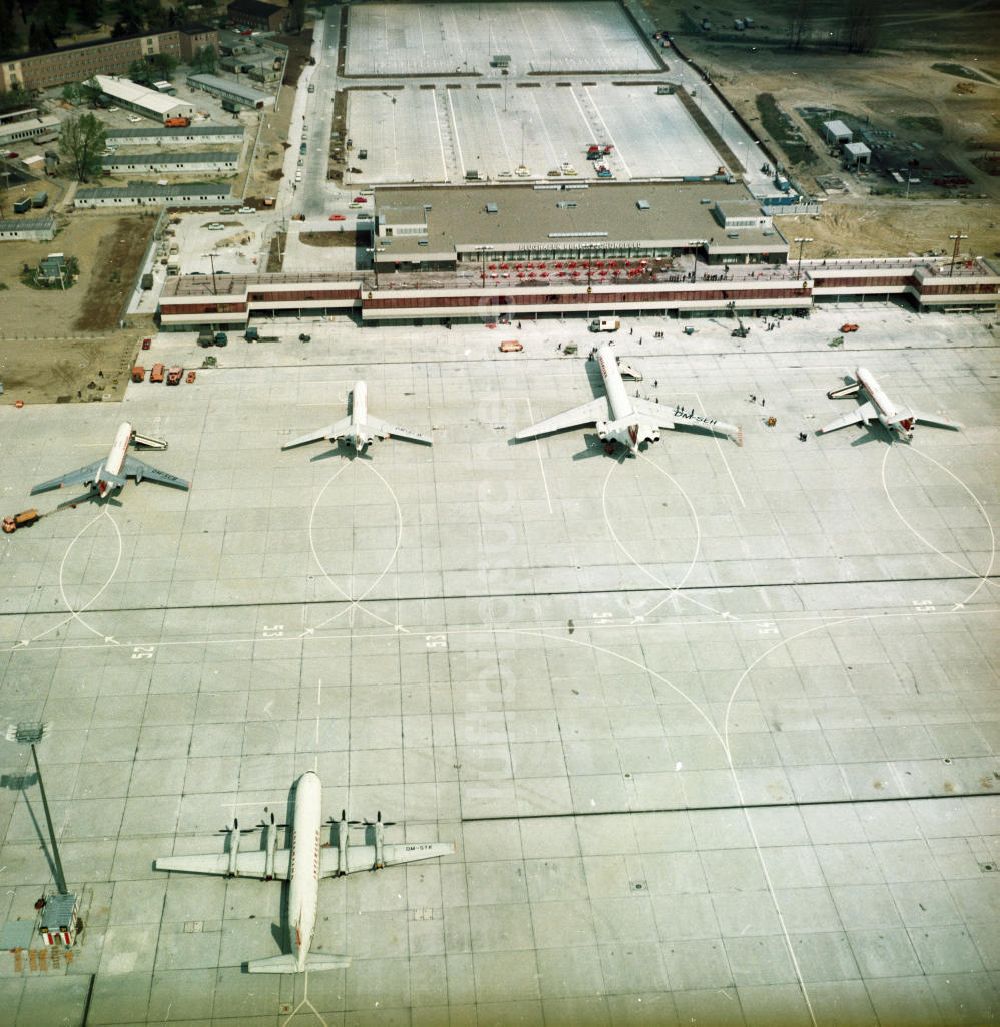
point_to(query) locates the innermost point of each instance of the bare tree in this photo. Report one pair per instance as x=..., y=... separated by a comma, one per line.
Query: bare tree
x=800, y=22
x=863, y=25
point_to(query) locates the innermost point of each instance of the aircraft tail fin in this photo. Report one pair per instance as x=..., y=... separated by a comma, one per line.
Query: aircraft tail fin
x=287, y=964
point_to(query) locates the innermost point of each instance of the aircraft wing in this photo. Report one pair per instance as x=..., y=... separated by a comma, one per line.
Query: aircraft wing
x=938, y=422
x=362, y=857
x=137, y=469
x=667, y=417
x=865, y=412
x=589, y=413
x=249, y=863
x=331, y=431
x=71, y=478
x=384, y=430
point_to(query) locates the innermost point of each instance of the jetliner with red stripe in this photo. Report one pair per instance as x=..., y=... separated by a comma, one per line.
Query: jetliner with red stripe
x=302, y=866
x=878, y=407
x=620, y=418
x=107, y=476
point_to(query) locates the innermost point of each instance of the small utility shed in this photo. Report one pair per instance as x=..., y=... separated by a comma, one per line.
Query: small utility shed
x=837, y=132
x=857, y=153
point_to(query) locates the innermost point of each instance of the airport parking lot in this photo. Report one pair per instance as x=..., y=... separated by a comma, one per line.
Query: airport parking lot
x=414, y=134
x=387, y=39
x=613, y=657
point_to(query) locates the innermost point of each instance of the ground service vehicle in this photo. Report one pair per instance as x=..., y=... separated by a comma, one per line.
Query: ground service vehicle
x=251, y=333
x=177, y=123
x=510, y=346
x=20, y=520
x=138, y=373
x=174, y=375
x=605, y=324
x=221, y=339
x=205, y=340
x=156, y=374
x=849, y=328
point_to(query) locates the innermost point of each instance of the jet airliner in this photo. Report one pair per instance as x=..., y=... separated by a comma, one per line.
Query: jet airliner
x=620, y=418
x=302, y=866
x=358, y=429
x=107, y=476
x=878, y=407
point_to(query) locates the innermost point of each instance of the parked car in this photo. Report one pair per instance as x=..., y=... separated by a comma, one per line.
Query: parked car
x=10, y=155
x=247, y=210
x=337, y=217
x=134, y=118
x=111, y=110
x=215, y=226
x=360, y=199
x=365, y=217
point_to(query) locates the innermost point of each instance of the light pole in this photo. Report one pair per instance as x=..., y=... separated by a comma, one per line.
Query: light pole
x=32, y=733
x=958, y=237
x=211, y=257
x=801, y=240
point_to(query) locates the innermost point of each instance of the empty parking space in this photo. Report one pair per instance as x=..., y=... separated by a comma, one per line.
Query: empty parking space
x=401, y=131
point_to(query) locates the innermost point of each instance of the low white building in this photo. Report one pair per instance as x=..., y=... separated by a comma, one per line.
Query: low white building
x=150, y=194
x=174, y=163
x=857, y=153
x=27, y=129
x=142, y=100
x=837, y=132
x=35, y=229
x=153, y=136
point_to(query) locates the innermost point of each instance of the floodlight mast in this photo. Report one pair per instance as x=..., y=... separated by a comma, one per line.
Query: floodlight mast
x=33, y=732
x=801, y=240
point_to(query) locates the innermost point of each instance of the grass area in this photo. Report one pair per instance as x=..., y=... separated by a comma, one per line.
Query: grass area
x=917, y=123
x=960, y=71
x=783, y=131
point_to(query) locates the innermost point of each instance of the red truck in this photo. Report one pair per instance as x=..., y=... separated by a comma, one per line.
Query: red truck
x=174, y=375
x=177, y=122
x=138, y=373
x=156, y=374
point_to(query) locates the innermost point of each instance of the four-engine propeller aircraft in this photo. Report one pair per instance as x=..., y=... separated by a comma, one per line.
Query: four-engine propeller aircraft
x=619, y=418
x=878, y=407
x=108, y=475
x=302, y=866
x=358, y=429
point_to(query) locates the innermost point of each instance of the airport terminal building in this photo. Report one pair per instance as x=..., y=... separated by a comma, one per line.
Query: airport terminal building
x=482, y=253
x=446, y=229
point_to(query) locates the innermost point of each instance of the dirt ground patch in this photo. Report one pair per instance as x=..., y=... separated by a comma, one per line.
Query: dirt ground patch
x=54, y=343
x=271, y=145
x=893, y=90
x=332, y=238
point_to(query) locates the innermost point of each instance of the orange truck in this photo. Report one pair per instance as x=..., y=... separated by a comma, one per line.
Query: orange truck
x=156, y=374
x=138, y=373
x=176, y=122
x=21, y=520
